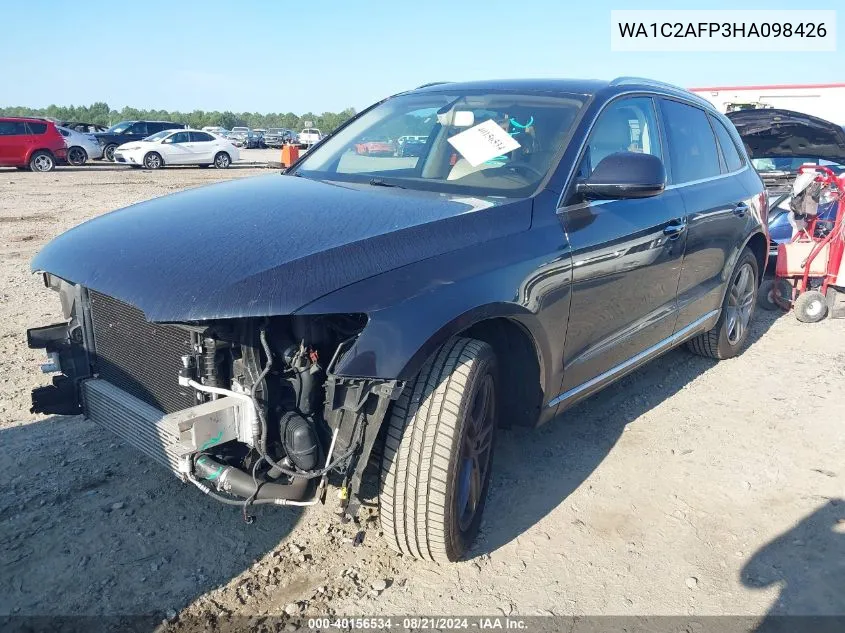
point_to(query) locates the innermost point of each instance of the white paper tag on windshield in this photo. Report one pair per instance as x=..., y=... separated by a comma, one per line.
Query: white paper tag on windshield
x=484, y=141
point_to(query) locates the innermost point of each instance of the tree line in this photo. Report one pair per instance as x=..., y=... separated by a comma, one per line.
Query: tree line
x=101, y=114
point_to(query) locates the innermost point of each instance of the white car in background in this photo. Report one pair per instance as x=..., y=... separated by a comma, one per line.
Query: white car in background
x=178, y=147
x=80, y=146
x=309, y=136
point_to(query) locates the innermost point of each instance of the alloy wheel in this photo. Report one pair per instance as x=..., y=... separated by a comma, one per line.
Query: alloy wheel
x=740, y=304
x=76, y=156
x=43, y=163
x=476, y=451
x=222, y=161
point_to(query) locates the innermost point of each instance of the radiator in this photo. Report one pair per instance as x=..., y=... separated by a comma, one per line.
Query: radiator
x=140, y=357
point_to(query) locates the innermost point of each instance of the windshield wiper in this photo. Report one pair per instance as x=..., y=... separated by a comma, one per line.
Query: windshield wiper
x=378, y=182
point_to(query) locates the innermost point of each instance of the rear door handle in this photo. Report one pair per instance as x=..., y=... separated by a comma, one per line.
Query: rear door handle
x=674, y=230
x=740, y=210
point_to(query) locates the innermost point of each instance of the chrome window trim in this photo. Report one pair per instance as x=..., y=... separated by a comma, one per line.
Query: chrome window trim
x=708, y=179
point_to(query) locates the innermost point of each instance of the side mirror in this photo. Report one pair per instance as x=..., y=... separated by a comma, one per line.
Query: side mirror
x=169, y=139
x=625, y=175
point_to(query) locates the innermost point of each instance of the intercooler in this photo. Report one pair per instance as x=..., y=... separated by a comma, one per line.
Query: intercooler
x=139, y=357
x=138, y=423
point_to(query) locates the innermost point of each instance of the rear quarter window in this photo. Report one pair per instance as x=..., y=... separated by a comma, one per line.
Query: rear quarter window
x=36, y=128
x=733, y=160
x=693, y=154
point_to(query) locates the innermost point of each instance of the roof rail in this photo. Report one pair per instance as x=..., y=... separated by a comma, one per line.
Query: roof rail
x=433, y=83
x=624, y=81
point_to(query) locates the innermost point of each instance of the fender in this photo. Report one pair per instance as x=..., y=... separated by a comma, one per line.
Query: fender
x=755, y=230
x=414, y=309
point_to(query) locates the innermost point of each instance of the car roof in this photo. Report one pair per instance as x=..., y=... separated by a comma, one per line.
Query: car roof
x=578, y=86
x=33, y=119
x=570, y=86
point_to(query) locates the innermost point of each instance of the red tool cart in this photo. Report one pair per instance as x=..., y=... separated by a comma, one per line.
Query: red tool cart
x=809, y=275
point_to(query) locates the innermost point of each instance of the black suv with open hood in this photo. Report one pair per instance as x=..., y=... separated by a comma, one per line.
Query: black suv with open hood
x=263, y=337
x=780, y=141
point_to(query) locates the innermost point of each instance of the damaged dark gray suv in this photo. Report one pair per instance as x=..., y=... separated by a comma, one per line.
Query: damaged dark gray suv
x=263, y=337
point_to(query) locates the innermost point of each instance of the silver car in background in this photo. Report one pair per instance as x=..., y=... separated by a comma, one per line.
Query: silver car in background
x=81, y=147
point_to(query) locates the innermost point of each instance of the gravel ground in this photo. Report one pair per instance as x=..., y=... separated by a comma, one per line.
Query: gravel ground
x=688, y=488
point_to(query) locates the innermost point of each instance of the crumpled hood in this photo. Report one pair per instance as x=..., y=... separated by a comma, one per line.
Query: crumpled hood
x=776, y=133
x=267, y=245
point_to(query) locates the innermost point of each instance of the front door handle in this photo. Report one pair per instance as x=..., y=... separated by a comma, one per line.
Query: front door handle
x=674, y=230
x=740, y=210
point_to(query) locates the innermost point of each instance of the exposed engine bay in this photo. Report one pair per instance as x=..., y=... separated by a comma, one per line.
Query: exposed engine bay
x=248, y=410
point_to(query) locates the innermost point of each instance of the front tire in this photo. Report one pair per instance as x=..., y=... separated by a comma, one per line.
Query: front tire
x=42, y=161
x=153, y=160
x=728, y=336
x=108, y=152
x=222, y=160
x=438, y=451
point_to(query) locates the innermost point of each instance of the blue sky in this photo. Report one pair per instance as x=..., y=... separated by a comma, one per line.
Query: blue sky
x=215, y=55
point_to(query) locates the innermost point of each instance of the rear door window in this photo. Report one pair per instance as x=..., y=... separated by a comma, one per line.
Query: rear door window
x=733, y=160
x=693, y=154
x=12, y=128
x=36, y=128
x=200, y=137
x=139, y=127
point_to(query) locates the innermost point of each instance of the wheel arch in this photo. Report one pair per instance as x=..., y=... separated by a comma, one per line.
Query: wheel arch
x=35, y=150
x=759, y=245
x=511, y=330
x=520, y=388
x=79, y=147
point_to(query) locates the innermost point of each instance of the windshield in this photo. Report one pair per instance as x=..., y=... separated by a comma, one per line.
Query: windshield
x=480, y=143
x=275, y=130
x=790, y=163
x=159, y=135
x=119, y=127
x=240, y=129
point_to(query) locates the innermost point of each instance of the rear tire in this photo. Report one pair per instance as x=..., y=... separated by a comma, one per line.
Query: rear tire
x=438, y=451
x=42, y=161
x=76, y=156
x=729, y=334
x=222, y=160
x=810, y=307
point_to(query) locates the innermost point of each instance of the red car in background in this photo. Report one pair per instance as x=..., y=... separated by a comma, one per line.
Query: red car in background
x=33, y=144
x=372, y=147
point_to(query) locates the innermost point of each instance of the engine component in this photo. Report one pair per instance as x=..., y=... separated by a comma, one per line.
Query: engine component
x=300, y=441
x=303, y=363
x=210, y=360
x=236, y=482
